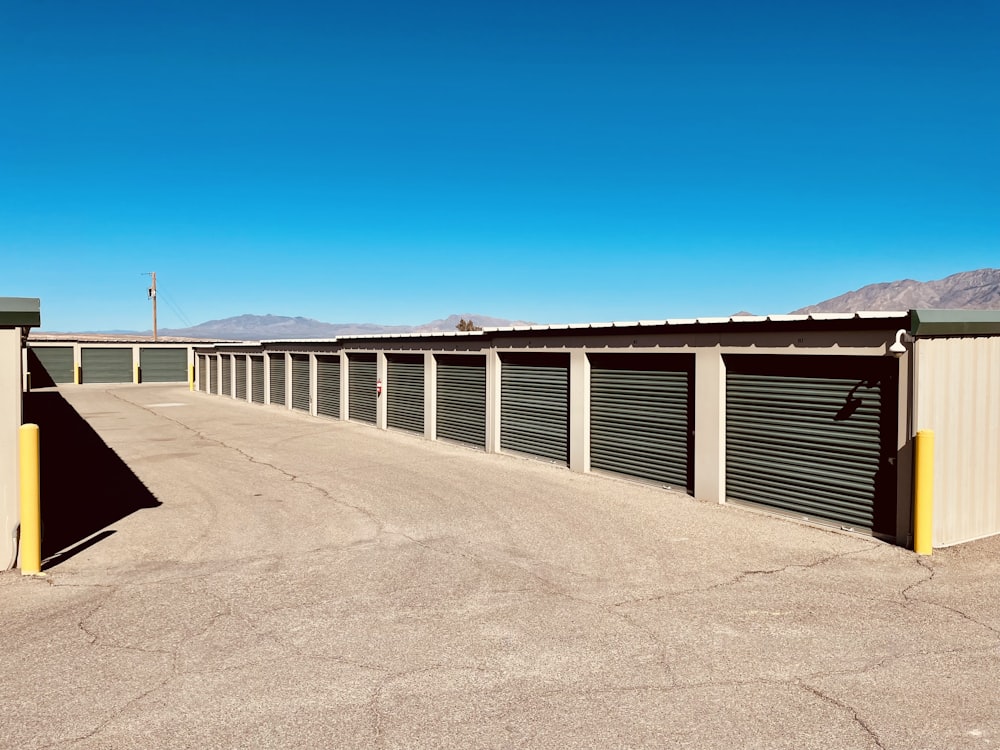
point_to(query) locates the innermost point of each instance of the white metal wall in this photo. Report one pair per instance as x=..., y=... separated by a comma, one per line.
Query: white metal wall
x=958, y=396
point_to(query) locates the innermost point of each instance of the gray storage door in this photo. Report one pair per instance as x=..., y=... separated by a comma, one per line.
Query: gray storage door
x=257, y=379
x=106, y=365
x=49, y=365
x=642, y=417
x=160, y=365
x=227, y=374
x=534, y=405
x=461, y=398
x=203, y=373
x=300, y=382
x=405, y=392
x=276, y=368
x=241, y=376
x=813, y=436
x=362, y=375
x=328, y=385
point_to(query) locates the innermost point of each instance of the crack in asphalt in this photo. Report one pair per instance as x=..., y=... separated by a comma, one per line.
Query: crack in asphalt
x=855, y=716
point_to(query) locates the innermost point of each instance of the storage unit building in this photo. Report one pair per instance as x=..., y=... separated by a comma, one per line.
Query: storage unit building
x=257, y=378
x=405, y=392
x=50, y=365
x=106, y=364
x=534, y=405
x=328, y=385
x=276, y=372
x=362, y=373
x=163, y=365
x=461, y=398
x=240, y=372
x=300, y=382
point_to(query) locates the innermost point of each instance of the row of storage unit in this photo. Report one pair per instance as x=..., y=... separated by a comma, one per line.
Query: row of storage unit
x=806, y=435
x=61, y=363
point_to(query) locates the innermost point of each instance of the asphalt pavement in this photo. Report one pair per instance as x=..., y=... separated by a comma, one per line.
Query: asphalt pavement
x=225, y=575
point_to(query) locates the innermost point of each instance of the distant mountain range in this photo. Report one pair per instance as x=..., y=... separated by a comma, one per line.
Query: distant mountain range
x=257, y=327
x=969, y=290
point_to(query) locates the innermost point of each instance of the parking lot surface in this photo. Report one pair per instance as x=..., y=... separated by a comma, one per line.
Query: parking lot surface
x=229, y=575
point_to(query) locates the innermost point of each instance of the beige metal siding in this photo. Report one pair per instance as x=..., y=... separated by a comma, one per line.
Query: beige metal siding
x=958, y=396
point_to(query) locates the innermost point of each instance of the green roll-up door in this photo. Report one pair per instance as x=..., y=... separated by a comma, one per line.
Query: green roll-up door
x=108, y=365
x=203, y=373
x=642, y=417
x=276, y=369
x=405, y=392
x=362, y=376
x=227, y=374
x=461, y=398
x=328, y=385
x=161, y=365
x=49, y=365
x=300, y=382
x=813, y=436
x=240, y=361
x=257, y=379
x=534, y=405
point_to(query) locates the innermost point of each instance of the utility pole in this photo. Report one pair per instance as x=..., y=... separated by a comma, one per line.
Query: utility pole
x=152, y=296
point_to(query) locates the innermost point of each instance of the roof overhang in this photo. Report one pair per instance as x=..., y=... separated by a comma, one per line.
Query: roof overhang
x=20, y=312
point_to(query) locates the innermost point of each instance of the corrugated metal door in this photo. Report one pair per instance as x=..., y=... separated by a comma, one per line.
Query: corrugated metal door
x=257, y=379
x=106, y=365
x=300, y=382
x=276, y=369
x=461, y=398
x=405, y=392
x=328, y=386
x=240, y=361
x=49, y=365
x=534, y=405
x=227, y=374
x=362, y=376
x=159, y=365
x=813, y=436
x=642, y=417
x=203, y=384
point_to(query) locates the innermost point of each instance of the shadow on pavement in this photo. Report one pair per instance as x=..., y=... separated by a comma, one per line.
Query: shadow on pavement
x=85, y=486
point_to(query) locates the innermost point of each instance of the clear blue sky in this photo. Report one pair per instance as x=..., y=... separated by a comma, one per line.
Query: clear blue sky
x=396, y=162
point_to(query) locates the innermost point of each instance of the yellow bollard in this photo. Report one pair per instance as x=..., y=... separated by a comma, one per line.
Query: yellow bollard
x=77, y=374
x=31, y=506
x=923, y=492
x=191, y=378
x=138, y=376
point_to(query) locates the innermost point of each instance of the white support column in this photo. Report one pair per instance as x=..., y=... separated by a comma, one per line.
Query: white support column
x=492, y=402
x=313, y=379
x=381, y=371
x=267, y=377
x=345, y=379
x=710, y=426
x=430, y=396
x=288, y=380
x=579, y=411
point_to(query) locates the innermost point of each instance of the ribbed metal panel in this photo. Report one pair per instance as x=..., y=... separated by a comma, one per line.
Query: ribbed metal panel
x=958, y=396
x=203, y=382
x=227, y=374
x=300, y=382
x=642, y=417
x=809, y=439
x=240, y=361
x=161, y=365
x=405, y=392
x=328, y=386
x=257, y=379
x=362, y=376
x=461, y=398
x=106, y=365
x=50, y=364
x=276, y=369
x=534, y=405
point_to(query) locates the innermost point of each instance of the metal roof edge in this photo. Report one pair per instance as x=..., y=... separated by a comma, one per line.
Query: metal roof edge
x=940, y=322
x=20, y=311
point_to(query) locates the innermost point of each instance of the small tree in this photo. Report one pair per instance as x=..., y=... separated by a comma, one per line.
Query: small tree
x=468, y=325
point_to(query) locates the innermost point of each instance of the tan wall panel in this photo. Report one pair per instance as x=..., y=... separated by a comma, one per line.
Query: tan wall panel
x=958, y=396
